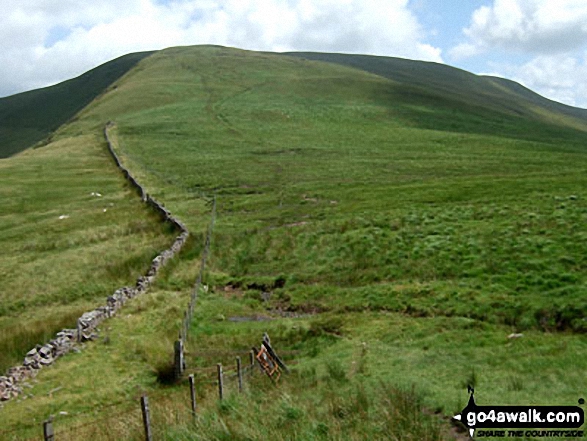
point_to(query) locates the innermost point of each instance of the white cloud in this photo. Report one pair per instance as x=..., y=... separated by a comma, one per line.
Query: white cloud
x=103, y=29
x=551, y=34
x=534, y=26
x=464, y=50
x=562, y=78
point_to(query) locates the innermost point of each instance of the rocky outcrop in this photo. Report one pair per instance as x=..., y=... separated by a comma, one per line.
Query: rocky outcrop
x=68, y=340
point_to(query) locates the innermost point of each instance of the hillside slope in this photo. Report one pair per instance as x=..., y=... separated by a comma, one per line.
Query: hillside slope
x=477, y=93
x=389, y=235
x=27, y=118
x=476, y=104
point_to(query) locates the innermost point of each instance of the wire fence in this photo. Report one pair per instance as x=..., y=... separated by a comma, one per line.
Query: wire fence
x=142, y=417
x=179, y=345
x=125, y=418
x=186, y=324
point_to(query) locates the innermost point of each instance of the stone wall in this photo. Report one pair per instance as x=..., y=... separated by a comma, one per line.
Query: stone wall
x=68, y=340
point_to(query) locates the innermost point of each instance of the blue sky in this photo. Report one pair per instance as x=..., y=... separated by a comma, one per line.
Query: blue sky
x=540, y=43
x=446, y=18
x=444, y=21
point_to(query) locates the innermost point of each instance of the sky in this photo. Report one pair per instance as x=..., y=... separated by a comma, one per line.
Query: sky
x=540, y=43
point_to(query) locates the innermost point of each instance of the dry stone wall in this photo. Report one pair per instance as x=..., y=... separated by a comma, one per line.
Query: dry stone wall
x=68, y=340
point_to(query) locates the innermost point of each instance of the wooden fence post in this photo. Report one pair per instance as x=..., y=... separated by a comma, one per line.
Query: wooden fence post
x=252, y=357
x=146, y=418
x=239, y=373
x=193, y=394
x=179, y=361
x=220, y=382
x=48, y=434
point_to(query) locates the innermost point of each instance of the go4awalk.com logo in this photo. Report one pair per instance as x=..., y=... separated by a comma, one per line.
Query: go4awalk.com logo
x=563, y=422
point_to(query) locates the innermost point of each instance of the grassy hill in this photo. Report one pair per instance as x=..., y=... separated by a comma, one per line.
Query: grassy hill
x=29, y=117
x=479, y=94
x=393, y=233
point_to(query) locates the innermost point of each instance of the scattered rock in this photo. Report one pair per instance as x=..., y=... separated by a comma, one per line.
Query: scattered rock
x=515, y=336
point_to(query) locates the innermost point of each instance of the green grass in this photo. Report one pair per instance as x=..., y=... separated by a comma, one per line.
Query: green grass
x=51, y=269
x=446, y=85
x=323, y=183
x=409, y=230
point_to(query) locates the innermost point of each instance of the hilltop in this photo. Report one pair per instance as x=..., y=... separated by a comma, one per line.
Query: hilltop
x=475, y=103
x=459, y=101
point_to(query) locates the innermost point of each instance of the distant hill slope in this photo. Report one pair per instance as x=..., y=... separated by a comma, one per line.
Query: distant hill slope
x=422, y=94
x=531, y=96
x=26, y=118
x=497, y=94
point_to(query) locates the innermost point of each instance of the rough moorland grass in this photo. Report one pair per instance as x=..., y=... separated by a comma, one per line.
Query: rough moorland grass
x=437, y=354
x=326, y=179
x=322, y=179
x=341, y=398
x=51, y=269
x=430, y=246
x=357, y=376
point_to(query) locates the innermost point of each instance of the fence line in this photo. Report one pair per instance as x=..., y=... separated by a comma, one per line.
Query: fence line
x=145, y=407
x=231, y=380
x=179, y=345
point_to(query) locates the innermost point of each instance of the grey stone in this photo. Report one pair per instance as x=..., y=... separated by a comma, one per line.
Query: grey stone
x=45, y=352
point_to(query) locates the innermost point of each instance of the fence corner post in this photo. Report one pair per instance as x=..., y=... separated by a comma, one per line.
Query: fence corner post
x=80, y=332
